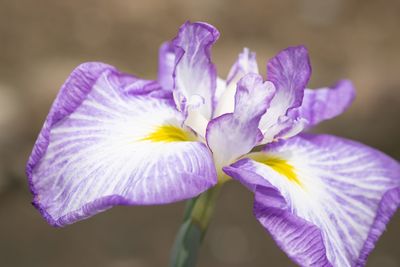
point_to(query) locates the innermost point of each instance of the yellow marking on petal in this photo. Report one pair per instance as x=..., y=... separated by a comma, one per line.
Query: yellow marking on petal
x=169, y=133
x=279, y=165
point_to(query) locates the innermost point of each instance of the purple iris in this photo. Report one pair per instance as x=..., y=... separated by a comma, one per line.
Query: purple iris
x=114, y=139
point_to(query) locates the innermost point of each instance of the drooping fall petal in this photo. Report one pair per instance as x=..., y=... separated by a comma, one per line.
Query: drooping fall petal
x=107, y=142
x=325, y=200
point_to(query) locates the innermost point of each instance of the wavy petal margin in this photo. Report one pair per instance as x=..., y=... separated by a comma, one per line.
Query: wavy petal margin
x=289, y=71
x=195, y=75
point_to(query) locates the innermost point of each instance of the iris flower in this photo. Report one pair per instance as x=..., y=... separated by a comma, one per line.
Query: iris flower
x=114, y=139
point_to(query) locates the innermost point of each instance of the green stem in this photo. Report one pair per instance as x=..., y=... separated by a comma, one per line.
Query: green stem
x=197, y=216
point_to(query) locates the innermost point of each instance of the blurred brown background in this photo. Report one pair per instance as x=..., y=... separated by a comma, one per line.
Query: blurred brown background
x=41, y=41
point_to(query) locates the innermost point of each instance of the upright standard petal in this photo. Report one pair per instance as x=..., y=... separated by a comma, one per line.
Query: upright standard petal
x=234, y=134
x=106, y=143
x=246, y=63
x=289, y=71
x=326, y=103
x=195, y=75
x=166, y=65
x=325, y=200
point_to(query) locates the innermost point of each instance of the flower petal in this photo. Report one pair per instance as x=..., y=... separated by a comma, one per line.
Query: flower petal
x=246, y=63
x=325, y=200
x=221, y=87
x=195, y=74
x=289, y=71
x=234, y=134
x=104, y=144
x=166, y=65
x=326, y=103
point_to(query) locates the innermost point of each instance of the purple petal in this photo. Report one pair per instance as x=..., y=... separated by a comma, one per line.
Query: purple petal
x=234, y=134
x=195, y=74
x=327, y=201
x=289, y=71
x=300, y=239
x=166, y=65
x=246, y=63
x=326, y=103
x=94, y=149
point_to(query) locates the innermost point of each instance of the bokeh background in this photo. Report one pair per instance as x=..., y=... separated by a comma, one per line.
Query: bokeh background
x=41, y=42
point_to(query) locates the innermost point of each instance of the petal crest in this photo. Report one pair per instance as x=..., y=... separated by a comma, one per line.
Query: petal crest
x=246, y=63
x=234, y=134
